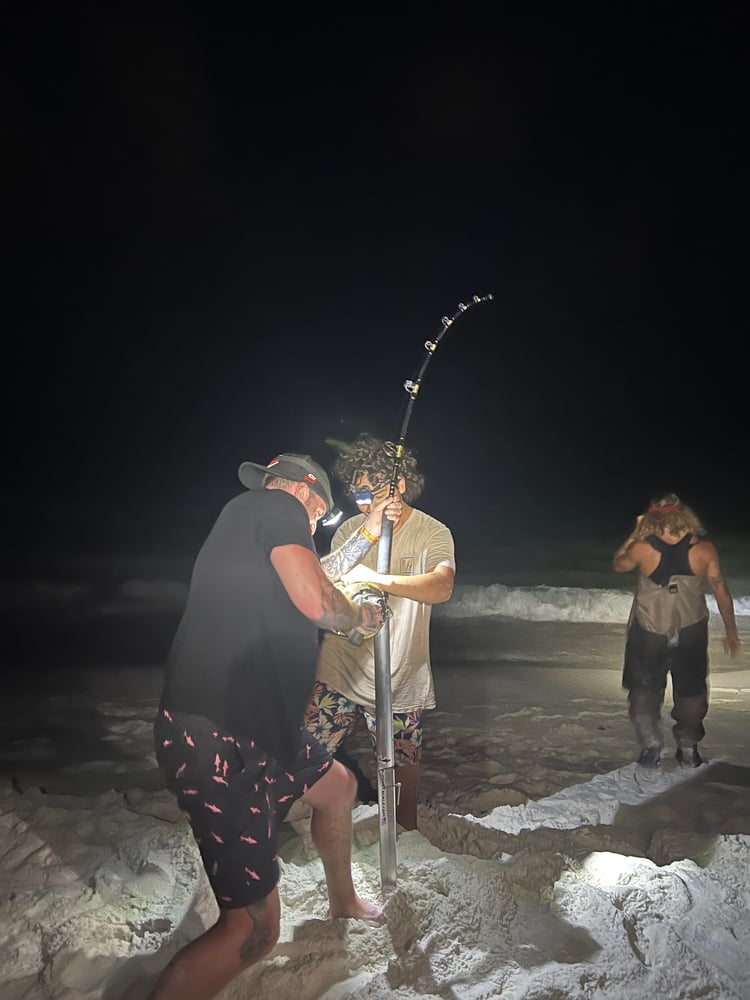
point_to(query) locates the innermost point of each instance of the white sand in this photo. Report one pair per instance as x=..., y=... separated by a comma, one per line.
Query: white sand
x=547, y=864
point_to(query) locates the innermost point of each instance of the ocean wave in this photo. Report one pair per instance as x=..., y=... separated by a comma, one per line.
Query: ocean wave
x=74, y=599
x=542, y=603
x=140, y=596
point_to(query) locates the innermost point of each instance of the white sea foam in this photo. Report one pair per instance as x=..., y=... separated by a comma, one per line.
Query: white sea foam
x=571, y=604
x=141, y=596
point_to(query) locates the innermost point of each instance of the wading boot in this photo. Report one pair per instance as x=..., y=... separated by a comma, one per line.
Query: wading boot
x=648, y=734
x=689, y=756
x=650, y=756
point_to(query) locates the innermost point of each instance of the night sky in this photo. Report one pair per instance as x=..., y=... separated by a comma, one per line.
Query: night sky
x=230, y=237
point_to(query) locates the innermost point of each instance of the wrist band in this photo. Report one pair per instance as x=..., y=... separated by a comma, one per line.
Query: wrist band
x=366, y=534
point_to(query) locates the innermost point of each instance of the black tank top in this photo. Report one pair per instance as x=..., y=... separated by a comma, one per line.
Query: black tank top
x=674, y=559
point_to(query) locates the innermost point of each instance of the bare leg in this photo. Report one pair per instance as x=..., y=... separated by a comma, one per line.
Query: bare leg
x=238, y=939
x=407, y=776
x=332, y=799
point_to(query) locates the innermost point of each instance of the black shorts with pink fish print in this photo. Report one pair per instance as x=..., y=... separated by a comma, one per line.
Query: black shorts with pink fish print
x=234, y=795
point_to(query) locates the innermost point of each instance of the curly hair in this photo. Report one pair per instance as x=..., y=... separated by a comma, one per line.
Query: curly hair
x=667, y=512
x=376, y=456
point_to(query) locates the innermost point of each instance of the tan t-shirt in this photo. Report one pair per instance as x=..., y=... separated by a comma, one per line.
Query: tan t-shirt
x=420, y=545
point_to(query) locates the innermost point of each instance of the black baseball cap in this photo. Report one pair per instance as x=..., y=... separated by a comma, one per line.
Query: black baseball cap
x=298, y=468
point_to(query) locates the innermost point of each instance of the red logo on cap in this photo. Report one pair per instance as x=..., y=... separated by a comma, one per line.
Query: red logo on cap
x=309, y=476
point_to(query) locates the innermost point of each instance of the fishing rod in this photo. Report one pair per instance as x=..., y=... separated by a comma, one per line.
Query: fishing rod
x=413, y=385
x=383, y=695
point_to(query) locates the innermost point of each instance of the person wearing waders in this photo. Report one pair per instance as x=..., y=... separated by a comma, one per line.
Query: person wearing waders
x=668, y=626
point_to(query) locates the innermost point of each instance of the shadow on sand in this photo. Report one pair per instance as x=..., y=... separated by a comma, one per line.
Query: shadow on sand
x=685, y=820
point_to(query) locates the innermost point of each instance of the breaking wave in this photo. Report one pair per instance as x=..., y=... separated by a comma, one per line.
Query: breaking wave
x=71, y=600
x=542, y=603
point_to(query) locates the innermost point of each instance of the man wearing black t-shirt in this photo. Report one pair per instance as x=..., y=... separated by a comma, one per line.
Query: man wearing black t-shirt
x=228, y=731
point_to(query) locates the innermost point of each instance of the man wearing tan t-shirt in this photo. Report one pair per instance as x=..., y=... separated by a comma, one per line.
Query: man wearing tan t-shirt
x=422, y=571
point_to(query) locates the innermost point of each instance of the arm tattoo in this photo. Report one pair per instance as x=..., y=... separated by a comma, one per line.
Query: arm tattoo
x=338, y=612
x=260, y=936
x=341, y=560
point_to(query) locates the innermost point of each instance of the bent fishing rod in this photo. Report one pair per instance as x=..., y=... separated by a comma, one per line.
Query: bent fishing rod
x=412, y=387
x=384, y=749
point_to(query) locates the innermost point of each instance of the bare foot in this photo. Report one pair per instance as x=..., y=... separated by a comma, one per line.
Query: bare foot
x=360, y=909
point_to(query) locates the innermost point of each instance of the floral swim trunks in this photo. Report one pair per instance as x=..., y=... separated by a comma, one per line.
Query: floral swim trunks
x=330, y=716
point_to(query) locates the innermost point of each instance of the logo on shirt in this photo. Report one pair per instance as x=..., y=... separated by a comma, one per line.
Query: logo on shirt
x=406, y=566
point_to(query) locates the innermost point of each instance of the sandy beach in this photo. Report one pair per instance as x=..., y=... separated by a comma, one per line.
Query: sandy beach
x=547, y=864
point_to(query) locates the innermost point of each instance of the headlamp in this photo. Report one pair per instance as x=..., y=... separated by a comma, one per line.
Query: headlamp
x=366, y=494
x=333, y=516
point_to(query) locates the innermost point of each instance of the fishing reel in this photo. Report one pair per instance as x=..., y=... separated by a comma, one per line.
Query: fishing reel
x=362, y=593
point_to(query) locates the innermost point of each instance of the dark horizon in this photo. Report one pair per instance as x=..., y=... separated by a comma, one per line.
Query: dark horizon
x=230, y=240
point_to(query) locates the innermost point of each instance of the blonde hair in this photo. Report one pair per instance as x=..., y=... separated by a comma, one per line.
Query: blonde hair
x=667, y=512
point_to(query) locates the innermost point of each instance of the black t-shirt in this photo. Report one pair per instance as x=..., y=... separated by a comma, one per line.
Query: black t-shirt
x=244, y=656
